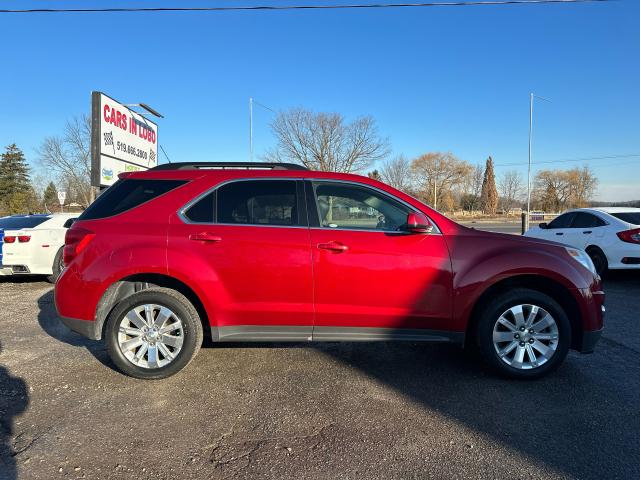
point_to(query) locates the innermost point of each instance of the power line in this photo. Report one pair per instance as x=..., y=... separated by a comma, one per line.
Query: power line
x=294, y=7
x=566, y=160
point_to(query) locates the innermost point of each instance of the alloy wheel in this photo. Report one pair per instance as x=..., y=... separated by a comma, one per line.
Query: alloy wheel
x=150, y=336
x=525, y=336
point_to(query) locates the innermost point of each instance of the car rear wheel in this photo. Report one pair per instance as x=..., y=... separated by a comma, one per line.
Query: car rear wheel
x=523, y=333
x=57, y=267
x=153, y=333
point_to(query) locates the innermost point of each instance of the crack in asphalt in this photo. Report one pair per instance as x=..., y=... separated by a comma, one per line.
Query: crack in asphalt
x=230, y=454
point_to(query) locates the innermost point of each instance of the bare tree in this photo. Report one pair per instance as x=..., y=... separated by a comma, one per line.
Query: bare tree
x=583, y=185
x=397, y=173
x=472, y=188
x=552, y=190
x=510, y=188
x=325, y=142
x=69, y=158
x=437, y=174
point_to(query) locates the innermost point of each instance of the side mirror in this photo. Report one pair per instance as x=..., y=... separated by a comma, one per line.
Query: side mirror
x=418, y=223
x=543, y=225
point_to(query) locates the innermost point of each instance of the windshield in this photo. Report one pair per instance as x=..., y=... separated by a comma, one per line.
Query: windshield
x=16, y=223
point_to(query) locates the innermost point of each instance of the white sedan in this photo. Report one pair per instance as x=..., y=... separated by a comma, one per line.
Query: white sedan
x=611, y=236
x=33, y=244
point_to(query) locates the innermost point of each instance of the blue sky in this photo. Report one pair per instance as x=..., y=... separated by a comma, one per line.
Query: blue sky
x=451, y=79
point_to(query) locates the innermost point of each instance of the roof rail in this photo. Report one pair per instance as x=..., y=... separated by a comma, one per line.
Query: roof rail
x=228, y=166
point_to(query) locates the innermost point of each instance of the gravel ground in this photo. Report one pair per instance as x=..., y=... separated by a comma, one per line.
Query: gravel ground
x=312, y=411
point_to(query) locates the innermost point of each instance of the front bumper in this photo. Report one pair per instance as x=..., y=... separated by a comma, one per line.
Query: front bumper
x=86, y=328
x=589, y=340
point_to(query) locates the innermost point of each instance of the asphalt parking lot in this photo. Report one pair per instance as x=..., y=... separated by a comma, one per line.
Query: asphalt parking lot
x=379, y=410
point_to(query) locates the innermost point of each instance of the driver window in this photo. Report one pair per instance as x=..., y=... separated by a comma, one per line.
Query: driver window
x=360, y=208
x=563, y=221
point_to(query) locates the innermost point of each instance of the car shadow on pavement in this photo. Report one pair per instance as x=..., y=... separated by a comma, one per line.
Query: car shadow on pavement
x=14, y=399
x=571, y=421
x=51, y=324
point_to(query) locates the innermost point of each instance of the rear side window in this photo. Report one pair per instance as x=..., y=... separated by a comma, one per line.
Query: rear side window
x=202, y=210
x=586, y=220
x=629, y=217
x=262, y=202
x=16, y=223
x=127, y=194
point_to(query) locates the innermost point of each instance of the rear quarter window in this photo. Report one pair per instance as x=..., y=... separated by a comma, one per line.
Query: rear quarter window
x=127, y=194
x=629, y=217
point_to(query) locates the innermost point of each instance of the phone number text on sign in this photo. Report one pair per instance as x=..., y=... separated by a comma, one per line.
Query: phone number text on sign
x=136, y=152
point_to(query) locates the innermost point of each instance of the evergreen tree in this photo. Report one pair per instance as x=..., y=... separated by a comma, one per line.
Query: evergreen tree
x=489, y=196
x=50, y=196
x=16, y=192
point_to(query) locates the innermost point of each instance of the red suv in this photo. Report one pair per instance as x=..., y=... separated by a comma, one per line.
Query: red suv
x=275, y=252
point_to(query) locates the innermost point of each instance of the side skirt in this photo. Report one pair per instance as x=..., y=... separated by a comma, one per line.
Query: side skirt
x=260, y=333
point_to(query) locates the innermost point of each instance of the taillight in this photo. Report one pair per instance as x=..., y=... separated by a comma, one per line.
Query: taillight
x=75, y=240
x=9, y=239
x=629, y=236
x=24, y=238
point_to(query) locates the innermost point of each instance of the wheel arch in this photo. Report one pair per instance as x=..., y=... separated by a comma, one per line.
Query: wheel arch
x=126, y=286
x=542, y=284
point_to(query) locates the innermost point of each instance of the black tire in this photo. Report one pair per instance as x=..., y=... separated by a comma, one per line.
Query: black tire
x=183, y=309
x=491, y=311
x=599, y=260
x=57, y=267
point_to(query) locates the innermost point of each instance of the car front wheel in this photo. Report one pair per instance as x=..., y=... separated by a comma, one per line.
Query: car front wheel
x=153, y=333
x=523, y=333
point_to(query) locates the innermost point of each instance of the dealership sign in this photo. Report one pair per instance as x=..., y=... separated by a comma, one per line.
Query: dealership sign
x=121, y=140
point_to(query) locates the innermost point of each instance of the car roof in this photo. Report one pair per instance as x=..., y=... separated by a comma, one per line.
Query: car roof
x=617, y=209
x=232, y=173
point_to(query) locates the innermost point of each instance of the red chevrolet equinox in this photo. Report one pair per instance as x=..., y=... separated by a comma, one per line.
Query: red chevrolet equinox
x=275, y=252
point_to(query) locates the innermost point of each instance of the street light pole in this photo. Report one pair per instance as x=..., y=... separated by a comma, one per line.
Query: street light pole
x=251, y=102
x=435, y=194
x=251, y=129
x=531, y=96
x=526, y=224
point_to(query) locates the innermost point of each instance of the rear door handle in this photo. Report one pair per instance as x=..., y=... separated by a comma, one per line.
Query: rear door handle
x=205, y=237
x=587, y=231
x=559, y=233
x=336, y=247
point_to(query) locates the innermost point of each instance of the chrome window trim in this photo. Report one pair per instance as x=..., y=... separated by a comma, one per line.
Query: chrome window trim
x=375, y=189
x=190, y=203
x=181, y=212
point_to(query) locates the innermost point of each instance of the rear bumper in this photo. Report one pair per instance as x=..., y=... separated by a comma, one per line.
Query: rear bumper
x=14, y=270
x=86, y=328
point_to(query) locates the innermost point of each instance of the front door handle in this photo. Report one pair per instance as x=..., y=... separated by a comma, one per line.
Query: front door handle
x=559, y=233
x=335, y=247
x=205, y=237
x=587, y=232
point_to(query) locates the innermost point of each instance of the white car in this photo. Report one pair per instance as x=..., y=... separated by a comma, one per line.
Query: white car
x=611, y=236
x=33, y=244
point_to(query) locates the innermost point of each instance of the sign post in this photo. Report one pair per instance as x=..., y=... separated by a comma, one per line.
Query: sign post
x=121, y=140
x=62, y=196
